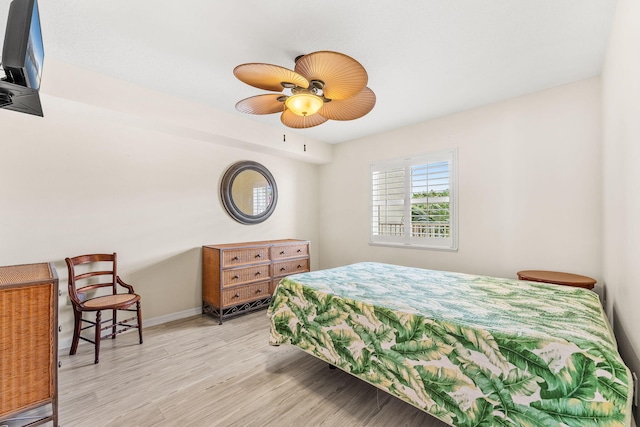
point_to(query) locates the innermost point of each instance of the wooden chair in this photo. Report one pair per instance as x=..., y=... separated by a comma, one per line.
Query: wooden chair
x=89, y=277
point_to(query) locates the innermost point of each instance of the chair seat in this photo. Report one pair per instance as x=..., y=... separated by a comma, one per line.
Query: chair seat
x=111, y=301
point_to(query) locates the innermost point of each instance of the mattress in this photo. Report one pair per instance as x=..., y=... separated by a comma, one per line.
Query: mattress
x=467, y=349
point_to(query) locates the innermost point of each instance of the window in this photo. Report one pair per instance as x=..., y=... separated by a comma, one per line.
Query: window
x=413, y=201
x=260, y=200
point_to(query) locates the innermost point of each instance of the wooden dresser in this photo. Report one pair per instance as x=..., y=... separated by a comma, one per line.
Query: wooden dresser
x=240, y=277
x=28, y=345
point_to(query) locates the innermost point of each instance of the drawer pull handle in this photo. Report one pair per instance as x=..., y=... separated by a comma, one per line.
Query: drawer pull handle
x=259, y=256
x=236, y=296
x=59, y=364
x=282, y=269
x=236, y=277
x=299, y=250
x=299, y=266
x=281, y=252
x=258, y=291
x=60, y=328
x=235, y=258
x=258, y=273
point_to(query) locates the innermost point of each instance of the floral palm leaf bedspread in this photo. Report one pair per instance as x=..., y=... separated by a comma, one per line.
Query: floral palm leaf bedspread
x=469, y=350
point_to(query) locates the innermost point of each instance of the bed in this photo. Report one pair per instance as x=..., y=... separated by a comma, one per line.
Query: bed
x=469, y=350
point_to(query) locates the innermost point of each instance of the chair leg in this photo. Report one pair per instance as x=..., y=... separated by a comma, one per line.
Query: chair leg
x=77, y=315
x=139, y=320
x=97, y=337
x=113, y=328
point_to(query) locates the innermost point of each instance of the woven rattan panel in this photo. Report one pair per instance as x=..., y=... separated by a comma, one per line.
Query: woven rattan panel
x=244, y=275
x=231, y=258
x=285, y=268
x=26, y=342
x=243, y=294
x=283, y=252
x=16, y=274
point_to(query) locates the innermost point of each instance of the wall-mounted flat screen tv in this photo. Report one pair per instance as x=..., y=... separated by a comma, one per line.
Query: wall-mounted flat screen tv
x=22, y=58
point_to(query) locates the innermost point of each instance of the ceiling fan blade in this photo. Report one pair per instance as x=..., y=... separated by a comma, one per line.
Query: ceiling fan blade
x=300, y=122
x=268, y=77
x=342, y=75
x=349, y=109
x=261, y=104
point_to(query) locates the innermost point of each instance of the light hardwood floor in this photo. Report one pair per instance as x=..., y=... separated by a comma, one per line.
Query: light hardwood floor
x=194, y=372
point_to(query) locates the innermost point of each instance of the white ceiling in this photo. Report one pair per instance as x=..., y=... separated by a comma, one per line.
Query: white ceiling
x=425, y=58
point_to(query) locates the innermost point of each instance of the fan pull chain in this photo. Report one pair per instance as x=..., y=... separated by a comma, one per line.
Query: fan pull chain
x=304, y=132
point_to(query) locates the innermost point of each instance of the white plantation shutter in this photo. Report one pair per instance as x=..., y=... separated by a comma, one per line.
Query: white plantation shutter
x=388, y=200
x=413, y=201
x=259, y=200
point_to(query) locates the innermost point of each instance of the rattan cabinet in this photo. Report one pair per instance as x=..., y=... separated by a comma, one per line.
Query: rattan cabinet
x=240, y=277
x=28, y=345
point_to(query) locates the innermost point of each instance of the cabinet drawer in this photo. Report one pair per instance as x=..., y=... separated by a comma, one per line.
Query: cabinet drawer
x=289, y=251
x=239, y=276
x=237, y=257
x=273, y=285
x=285, y=268
x=247, y=293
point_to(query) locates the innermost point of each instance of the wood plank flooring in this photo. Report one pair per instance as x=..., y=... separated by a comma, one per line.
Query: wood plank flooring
x=194, y=372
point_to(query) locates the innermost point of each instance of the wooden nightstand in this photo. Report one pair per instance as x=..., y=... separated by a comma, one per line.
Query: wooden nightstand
x=557, y=278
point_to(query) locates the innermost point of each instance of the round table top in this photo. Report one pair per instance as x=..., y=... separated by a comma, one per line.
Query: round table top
x=557, y=277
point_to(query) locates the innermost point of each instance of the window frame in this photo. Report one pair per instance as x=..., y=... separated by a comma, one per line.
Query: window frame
x=406, y=163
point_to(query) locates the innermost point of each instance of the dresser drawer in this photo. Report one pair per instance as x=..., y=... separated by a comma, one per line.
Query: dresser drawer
x=238, y=257
x=246, y=293
x=239, y=276
x=285, y=268
x=289, y=251
x=273, y=285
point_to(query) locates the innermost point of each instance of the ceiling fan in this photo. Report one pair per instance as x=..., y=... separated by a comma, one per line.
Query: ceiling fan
x=323, y=86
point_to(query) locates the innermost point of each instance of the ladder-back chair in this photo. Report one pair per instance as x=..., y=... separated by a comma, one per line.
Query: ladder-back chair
x=93, y=287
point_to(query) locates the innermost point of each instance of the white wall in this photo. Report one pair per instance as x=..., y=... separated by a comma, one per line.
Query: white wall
x=529, y=186
x=87, y=179
x=621, y=154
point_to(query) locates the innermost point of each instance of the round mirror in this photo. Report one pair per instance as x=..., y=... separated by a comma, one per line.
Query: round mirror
x=249, y=192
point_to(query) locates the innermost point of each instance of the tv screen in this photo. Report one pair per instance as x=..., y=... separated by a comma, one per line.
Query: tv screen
x=23, y=52
x=22, y=59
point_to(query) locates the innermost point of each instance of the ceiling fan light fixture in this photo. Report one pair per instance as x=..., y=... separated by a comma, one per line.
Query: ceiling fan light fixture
x=323, y=86
x=304, y=104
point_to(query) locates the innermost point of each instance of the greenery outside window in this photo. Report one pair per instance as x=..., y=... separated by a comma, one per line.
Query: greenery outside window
x=414, y=201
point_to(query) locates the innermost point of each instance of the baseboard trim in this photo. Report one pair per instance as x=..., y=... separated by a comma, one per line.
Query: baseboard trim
x=65, y=344
x=171, y=317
